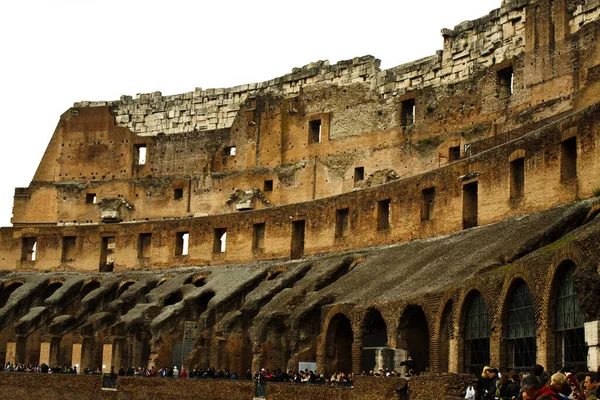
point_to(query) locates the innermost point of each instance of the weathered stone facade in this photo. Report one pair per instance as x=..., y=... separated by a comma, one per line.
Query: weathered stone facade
x=341, y=214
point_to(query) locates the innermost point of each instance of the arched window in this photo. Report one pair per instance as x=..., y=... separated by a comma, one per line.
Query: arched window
x=571, y=350
x=521, y=329
x=477, y=335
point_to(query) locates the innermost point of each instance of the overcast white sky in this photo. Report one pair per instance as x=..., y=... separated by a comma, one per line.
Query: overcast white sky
x=54, y=53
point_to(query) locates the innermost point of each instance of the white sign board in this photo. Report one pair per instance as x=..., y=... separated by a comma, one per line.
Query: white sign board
x=312, y=366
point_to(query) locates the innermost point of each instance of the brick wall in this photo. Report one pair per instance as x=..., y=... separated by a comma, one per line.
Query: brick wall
x=81, y=387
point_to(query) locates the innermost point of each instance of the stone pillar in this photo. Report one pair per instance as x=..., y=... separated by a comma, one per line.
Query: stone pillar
x=107, y=358
x=453, y=355
x=356, y=356
x=15, y=349
x=119, y=354
x=592, y=338
x=86, y=356
x=76, y=350
x=45, y=353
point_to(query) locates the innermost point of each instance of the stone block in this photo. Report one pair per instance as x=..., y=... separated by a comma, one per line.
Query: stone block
x=592, y=333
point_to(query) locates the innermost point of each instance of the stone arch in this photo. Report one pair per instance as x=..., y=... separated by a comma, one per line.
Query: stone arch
x=464, y=352
x=515, y=155
x=375, y=352
x=7, y=290
x=124, y=285
x=339, y=339
x=518, y=345
x=564, y=347
x=413, y=336
x=275, y=348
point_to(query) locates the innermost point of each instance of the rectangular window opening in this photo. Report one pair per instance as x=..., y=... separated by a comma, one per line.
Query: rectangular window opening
x=182, y=241
x=140, y=154
x=144, y=245
x=230, y=151
x=298, y=228
x=428, y=201
x=359, y=174
x=470, y=199
x=383, y=214
x=408, y=108
x=314, y=131
x=268, y=185
x=568, y=159
x=177, y=194
x=220, y=240
x=341, y=222
x=453, y=153
x=107, y=254
x=258, y=237
x=68, y=248
x=505, y=82
x=517, y=178
x=90, y=198
x=29, y=249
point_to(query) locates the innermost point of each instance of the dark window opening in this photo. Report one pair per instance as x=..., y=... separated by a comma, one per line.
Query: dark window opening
x=229, y=151
x=174, y=298
x=505, y=82
x=182, y=241
x=314, y=131
x=477, y=335
x=428, y=196
x=297, y=239
x=359, y=174
x=521, y=336
x=568, y=159
x=453, y=153
x=383, y=214
x=107, y=254
x=68, y=248
x=140, y=154
x=177, y=194
x=517, y=178
x=341, y=222
x=571, y=347
x=268, y=187
x=144, y=245
x=90, y=198
x=29, y=249
x=470, y=199
x=220, y=240
x=408, y=113
x=258, y=237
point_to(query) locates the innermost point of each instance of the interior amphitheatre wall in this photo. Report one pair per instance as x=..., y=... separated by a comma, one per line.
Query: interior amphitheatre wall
x=457, y=97
x=397, y=211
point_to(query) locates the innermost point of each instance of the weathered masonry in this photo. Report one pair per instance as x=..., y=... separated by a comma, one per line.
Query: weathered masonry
x=340, y=214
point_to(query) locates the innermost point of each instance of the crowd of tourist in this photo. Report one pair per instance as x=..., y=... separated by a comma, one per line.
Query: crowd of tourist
x=40, y=368
x=537, y=384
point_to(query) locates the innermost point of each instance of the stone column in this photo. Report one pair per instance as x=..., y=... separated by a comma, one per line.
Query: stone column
x=107, y=356
x=453, y=355
x=49, y=348
x=356, y=355
x=119, y=354
x=592, y=338
x=15, y=349
x=76, y=354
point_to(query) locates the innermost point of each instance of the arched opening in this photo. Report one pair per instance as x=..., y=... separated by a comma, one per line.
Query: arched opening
x=88, y=288
x=413, y=337
x=375, y=353
x=477, y=334
x=520, y=333
x=173, y=298
x=570, y=346
x=446, y=334
x=49, y=290
x=7, y=291
x=124, y=286
x=338, y=345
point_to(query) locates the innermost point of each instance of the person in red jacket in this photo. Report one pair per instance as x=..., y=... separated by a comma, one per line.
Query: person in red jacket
x=183, y=374
x=533, y=389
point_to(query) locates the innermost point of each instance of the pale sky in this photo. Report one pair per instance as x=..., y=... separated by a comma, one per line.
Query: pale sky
x=57, y=52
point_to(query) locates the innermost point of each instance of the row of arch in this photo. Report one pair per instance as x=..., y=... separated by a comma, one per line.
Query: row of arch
x=517, y=329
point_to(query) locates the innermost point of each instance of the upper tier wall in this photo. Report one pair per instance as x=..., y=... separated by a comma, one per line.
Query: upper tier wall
x=468, y=48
